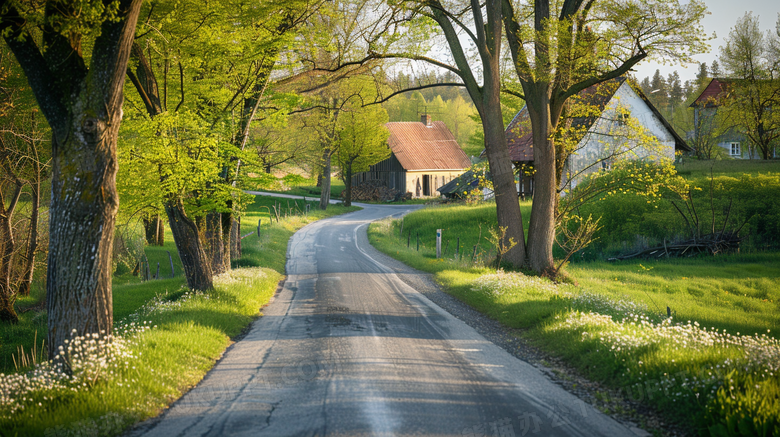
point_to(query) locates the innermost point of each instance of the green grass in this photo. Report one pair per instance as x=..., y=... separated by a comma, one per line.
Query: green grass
x=736, y=293
x=190, y=333
x=693, y=168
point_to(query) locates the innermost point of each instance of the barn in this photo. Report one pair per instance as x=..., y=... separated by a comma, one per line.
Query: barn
x=424, y=156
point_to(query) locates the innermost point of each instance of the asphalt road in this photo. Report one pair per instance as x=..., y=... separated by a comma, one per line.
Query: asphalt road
x=348, y=349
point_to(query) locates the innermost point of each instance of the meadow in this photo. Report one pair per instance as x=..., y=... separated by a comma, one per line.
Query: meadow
x=166, y=337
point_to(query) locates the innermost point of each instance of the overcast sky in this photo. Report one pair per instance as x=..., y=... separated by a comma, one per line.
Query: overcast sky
x=724, y=14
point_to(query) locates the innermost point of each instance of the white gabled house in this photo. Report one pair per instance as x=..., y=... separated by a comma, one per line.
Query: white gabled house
x=618, y=122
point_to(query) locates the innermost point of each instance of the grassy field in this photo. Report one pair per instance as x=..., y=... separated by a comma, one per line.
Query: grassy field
x=712, y=365
x=168, y=338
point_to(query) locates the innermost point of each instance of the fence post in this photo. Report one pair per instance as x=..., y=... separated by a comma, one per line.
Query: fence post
x=474, y=255
x=170, y=258
x=446, y=247
x=258, y=227
x=157, y=275
x=409, y=240
x=457, y=249
x=418, y=241
x=402, y=228
x=438, y=243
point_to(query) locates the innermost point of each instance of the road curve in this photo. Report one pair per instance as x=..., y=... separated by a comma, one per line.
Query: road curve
x=348, y=349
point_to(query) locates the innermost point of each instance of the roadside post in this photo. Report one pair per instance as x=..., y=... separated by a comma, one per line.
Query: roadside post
x=438, y=243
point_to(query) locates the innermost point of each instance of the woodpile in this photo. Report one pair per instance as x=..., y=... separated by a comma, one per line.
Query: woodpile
x=712, y=244
x=376, y=190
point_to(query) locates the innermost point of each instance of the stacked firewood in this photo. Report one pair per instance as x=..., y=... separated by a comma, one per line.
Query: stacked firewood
x=375, y=190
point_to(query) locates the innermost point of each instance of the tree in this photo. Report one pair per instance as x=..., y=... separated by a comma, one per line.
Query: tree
x=715, y=69
x=753, y=96
x=217, y=59
x=484, y=37
x=362, y=136
x=703, y=76
x=557, y=55
x=83, y=105
x=658, y=90
x=675, y=89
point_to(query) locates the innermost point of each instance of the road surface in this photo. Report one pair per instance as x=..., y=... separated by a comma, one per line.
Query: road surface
x=348, y=349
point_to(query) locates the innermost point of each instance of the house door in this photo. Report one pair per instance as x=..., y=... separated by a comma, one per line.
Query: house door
x=426, y=185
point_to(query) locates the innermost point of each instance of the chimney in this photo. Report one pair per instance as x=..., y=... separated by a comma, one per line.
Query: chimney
x=425, y=119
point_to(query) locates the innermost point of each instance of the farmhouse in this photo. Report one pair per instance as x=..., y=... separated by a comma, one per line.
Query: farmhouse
x=732, y=141
x=616, y=121
x=424, y=156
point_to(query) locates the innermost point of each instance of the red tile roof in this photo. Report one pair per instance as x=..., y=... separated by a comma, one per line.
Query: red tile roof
x=421, y=147
x=711, y=93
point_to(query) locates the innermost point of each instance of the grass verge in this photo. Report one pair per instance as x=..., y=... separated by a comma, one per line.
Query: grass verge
x=167, y=338
x=713, y=365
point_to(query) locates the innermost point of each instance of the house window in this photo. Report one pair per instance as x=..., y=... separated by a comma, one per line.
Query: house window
x=735, y=150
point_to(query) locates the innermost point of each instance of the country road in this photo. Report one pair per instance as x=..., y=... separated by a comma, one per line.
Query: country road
x=348, y=349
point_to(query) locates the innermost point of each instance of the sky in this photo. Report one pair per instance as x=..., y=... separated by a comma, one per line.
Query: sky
x=723, y=16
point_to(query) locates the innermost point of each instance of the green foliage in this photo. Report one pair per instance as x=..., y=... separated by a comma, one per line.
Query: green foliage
x=362, y=135
x=630, y=221
x=174, y=155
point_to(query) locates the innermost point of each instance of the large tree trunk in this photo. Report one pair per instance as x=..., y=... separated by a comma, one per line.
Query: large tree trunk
x=541, y=230
x=501, y=170
x=325, y=195
x=83, y=106
x=215, y=249
x=81, y=232
x=197, y=268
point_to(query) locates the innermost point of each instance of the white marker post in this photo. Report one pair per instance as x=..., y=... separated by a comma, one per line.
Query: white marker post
x=438, y=243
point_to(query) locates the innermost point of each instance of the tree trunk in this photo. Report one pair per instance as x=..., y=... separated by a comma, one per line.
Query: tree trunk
x=501, y=171
x=197, y=268
x=348, y=185
x=7, y=243
x=32, y=238
x=325, y=195
x=81, y=232
x=83, y=105
x=154, y=230
x=227, y=238
x=235, y=238
x=541, y=230
x=214, y=247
